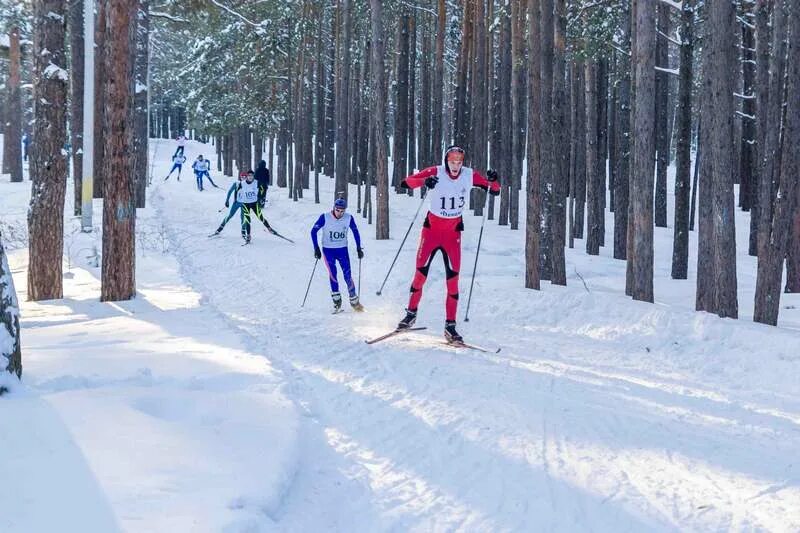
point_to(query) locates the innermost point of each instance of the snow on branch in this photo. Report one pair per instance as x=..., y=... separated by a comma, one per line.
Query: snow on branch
x=167, y=16
x=672, y=71
x=745, y=115
x=673, y=4
x=744, y=96
x=670, y=39
x=234, y=13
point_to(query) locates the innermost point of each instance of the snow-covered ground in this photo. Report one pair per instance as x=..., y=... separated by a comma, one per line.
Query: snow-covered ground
x=214, y=402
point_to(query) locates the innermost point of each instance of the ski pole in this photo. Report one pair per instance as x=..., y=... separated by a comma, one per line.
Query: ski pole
x=358, y=292
x=422, y=201
x=309, y=282
x=477, y=253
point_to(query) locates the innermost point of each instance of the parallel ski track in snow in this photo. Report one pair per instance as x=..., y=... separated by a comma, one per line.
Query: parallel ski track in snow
x=409, y=435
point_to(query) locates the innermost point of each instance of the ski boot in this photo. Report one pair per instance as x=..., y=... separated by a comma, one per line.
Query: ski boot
x=337, y=302
x=408, y=320
x=246, y=239
x=355, y=304
x=450, y=332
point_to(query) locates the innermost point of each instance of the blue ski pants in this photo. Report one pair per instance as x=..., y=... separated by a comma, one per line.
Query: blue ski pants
x=332, y=255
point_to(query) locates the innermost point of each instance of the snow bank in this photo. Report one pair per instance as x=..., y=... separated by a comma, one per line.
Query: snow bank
x=146, y=415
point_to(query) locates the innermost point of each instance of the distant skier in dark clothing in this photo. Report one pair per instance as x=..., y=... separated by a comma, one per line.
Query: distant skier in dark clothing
x=263, y=179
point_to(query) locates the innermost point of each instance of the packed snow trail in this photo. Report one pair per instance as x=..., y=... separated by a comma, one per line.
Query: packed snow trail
x=599, y=414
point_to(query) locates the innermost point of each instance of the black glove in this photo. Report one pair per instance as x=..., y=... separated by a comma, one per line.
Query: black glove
x=492, y=175
x=431, y=182
x=226, y=204
x=360, y=253
x=317, y=253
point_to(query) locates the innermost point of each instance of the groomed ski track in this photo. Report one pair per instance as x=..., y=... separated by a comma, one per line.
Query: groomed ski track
x=599, y=414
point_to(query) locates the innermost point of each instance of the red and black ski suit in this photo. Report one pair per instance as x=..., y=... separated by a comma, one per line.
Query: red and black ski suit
x=442, y=228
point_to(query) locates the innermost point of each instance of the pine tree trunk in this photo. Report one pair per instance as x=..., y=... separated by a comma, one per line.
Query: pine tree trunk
x=437, y=119
x=462, y=117
x=747, y=150
x=547, y=156
x=613, y=123
x=578, y=182
x=561, y=139
x=12, y=139
x=400, y=147
x=769, y=168
x=643, y=57
x=48, y=168
x=75, y=22
x=343, y=103
x=793, y=255
x=762, y=10
x=330, y=112
x=623, y=159
x=381, y=173
x=662, y=122
x=517, y=108
x=100, y=136
x=119, y=211
x=505, y=147
x=594, y=207
x=480, y=101
x=140, y=141
x=602, y=141
x=412, y=96
x=770, y=265
x=683, y=163
x=534, y=200
x=424, y=156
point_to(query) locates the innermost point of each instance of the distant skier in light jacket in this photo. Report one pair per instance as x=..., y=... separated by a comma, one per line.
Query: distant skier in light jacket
x=335, y=225
x=177, y=163
x=201, y=167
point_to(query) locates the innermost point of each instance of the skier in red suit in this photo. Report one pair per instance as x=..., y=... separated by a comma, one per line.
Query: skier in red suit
x=449, y=186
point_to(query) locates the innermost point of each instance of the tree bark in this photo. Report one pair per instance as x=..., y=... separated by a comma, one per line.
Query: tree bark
x=747, y=158
x=75, y=22
x=140, y=138
x=683, y=163
x=717, y=171
x=100, y=136
x=517, y=109
x=12, y=150
x=643, y=153
x=623, y=144
x=400, y=147
x=119, y=212
x=343, y=103
x=770, y=265
x=594, y=207
x=547, y=157
x=48, y=166
x=662, y=122
x=769, y=167
x=381, y=177
x=762, y=10
x=437, y=119
x=560, y=174
x=533, y=216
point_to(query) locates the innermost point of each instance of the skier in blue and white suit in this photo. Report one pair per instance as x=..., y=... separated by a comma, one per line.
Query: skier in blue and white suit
x=201, y=168
x=335, y=225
